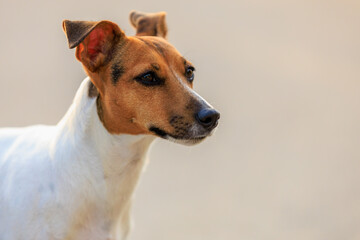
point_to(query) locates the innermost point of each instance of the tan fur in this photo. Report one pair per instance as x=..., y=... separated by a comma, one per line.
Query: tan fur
x=129, y=107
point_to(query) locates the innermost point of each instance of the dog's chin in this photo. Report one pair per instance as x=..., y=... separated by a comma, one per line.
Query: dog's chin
x=188, y=140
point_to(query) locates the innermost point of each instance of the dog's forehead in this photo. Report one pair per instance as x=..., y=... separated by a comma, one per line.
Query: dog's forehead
x=158, y=43
x=138, y=55
x=152, y=47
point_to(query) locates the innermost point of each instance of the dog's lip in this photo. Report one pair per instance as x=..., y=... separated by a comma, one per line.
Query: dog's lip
x=163, y=134
x=191, y=138
x=196, y=138
x=187, y=141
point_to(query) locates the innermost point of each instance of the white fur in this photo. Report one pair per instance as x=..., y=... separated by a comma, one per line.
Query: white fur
x=69, y=181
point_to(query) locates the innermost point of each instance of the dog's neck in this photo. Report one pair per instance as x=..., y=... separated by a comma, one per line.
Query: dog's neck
x=113, y=163
x=82, y=126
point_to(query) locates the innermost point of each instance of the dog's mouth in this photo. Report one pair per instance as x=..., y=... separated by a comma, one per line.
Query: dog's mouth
x=187, y=138
x=188, y=132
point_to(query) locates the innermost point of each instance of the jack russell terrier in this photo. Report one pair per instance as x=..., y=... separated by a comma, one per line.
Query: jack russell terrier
x=74, y=181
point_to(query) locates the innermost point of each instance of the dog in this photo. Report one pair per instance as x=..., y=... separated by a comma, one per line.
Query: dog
x=75, y=180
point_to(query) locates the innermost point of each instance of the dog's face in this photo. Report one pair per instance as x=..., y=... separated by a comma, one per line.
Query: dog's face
x=143, y=84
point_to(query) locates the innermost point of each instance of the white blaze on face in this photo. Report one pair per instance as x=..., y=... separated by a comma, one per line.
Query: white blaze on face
x=196, y=130
x=192, y=92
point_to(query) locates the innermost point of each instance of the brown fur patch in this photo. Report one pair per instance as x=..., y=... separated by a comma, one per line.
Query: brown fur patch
x=92, y=91
x=159, y=48
x=116, y=71
x=99, y=109
x=130, y=107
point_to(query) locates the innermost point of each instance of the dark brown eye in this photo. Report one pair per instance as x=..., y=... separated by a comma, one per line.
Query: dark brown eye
x=149, y=79
x=190, y=74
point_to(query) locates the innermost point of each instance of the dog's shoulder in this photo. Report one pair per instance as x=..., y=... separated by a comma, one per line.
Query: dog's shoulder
x=23, y=147
x=21, y=138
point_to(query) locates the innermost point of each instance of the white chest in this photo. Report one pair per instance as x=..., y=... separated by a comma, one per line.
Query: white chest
x=72, y=181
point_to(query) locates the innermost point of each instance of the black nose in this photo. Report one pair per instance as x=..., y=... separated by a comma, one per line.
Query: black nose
x=208, y=118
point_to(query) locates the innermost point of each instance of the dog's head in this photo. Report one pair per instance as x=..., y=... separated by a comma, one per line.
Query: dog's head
x=143, y=84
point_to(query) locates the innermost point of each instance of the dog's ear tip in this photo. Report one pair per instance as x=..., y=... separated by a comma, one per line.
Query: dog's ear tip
x=132, y=12
x=64, y=23
x=71, y=46
x=133, y=15
x=162, y=15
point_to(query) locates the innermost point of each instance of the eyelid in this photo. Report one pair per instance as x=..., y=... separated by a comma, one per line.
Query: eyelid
x=157, y=80
x=145, y=73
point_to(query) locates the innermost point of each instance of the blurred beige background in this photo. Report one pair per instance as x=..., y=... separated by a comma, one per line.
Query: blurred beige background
x=285, y=75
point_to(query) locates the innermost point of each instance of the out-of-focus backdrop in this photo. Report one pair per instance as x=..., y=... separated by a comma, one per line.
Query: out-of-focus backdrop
x=285, y=75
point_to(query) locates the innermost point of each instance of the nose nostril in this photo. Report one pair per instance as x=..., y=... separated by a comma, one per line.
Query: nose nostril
x=208, y=117
x=208, y=120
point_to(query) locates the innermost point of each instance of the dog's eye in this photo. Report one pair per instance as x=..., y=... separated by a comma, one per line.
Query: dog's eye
x=149, y=79
x=189, y=73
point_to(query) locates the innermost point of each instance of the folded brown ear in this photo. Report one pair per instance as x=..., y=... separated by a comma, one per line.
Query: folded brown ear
x=149, y=24
x=94, y=40
x=76, y=31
